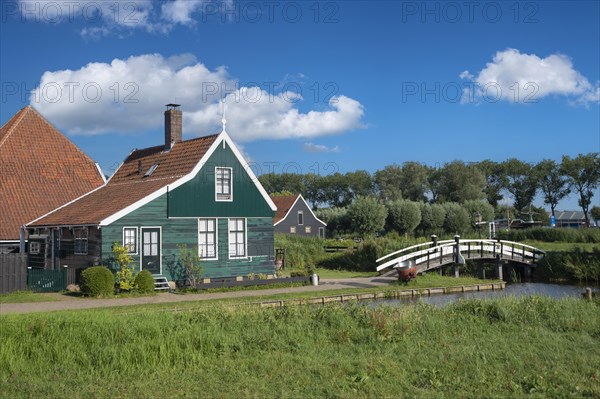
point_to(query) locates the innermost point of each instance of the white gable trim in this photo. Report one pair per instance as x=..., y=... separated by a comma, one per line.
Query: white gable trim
x=100, y=172
x=292, y=207
x=121, y=164
x=248, y=170
x=223, y=137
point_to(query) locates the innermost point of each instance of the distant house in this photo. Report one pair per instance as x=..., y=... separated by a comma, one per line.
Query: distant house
x=197, y=192
x=40, y=169
x=570, y=219
x=294, y=216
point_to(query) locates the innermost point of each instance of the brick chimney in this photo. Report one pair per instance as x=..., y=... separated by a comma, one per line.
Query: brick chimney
x=173, y=129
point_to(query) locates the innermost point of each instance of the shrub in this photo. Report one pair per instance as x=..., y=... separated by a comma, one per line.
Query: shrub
x=432, y=219
x=337, y=220
x=367, y=215
x=457, y=219
x=144, y=282
x=97, y=281
x=191, y=263
x=485, y=210
x=125, y=273
x=404, y=216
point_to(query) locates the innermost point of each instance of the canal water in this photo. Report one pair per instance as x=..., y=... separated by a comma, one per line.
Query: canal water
x=515, y=290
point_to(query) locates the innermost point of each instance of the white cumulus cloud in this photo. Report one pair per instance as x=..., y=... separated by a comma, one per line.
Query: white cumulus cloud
x=103, y=17
x=128, y=96
x=312, y=147
x=526, y=78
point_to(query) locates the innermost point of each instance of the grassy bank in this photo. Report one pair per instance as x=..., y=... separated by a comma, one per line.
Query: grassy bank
x=26, y=296
x=510, y=348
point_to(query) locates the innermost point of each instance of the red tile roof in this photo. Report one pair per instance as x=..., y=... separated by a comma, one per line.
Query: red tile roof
x=283, y=204
x=127, y=186
x=40, y=169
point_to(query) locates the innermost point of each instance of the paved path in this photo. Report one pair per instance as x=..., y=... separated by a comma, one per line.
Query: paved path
x=64, y=302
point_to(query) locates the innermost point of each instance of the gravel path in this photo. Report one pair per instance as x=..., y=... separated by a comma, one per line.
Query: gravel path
x=65, y=302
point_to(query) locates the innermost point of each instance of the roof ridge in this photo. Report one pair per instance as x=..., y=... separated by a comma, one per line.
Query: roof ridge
x=126, y=182
x=23, y=111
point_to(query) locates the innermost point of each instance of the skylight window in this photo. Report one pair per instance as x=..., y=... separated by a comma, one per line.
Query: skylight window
x=151, y=170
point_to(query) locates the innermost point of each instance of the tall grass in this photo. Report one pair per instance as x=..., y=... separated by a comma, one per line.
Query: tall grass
x=508, y=348
x=552, y=235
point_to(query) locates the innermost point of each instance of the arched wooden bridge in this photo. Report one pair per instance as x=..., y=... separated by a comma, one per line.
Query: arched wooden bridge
x=434, y=254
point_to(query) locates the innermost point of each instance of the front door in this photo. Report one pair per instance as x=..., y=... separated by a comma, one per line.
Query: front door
x=151, y=249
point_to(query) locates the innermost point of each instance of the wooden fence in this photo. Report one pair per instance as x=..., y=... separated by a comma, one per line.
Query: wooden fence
x=13, y=273
x=41, y=280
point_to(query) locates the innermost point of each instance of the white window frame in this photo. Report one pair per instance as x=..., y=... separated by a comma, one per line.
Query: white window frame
x=292, y=229
x=307, y=230
x=230, y=199
x=321, y=232
x=216, y=232
x=38, y=246
x=137, y=240
x=300, y=214
x=86, y=239
x=245, y=256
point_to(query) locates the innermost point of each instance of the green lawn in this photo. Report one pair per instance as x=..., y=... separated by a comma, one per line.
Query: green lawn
x=531, y=347
x=26, y=296
x=430, y=280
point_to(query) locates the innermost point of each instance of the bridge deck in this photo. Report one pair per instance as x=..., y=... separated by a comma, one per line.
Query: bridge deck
x=431, y=255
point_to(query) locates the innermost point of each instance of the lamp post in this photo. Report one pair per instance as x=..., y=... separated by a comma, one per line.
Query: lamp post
x=477, y=222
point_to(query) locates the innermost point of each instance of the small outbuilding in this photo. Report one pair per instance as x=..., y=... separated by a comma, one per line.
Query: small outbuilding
x=295, y=217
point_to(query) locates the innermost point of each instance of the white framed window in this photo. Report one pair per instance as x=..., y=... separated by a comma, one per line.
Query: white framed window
x=223, y=184
x=207, y=238
x=130, y=240
x=81, y=240
x=34, y=247
x=300, y=218
x=293, y=229
x=322, y=232
x=308, y=230
x=237, y=238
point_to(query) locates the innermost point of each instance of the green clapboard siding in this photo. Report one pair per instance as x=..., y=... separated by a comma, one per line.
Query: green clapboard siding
x=185, y=231
x=196, y=198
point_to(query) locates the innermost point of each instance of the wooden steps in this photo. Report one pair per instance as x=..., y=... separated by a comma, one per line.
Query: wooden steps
x=160, y=283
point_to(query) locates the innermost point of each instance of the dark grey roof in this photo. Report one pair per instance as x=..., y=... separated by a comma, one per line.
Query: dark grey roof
x=569, y=215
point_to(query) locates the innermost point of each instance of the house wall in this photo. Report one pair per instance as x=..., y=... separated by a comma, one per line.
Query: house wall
x=177, y=213
x=197, y=197
x=64, y=249
x=291, y=220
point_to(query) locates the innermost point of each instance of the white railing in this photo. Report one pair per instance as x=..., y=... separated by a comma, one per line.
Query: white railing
x=420, y=254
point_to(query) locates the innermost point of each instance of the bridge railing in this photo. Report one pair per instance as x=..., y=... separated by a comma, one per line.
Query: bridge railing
x=445, y=252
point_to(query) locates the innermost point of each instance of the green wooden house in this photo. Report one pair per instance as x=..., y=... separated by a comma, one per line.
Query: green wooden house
x=198, y=192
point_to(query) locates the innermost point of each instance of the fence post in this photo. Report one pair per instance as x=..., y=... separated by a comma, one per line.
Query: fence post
x=65, y=272
x=458, y=259
x=29, y=277
x=499, y=268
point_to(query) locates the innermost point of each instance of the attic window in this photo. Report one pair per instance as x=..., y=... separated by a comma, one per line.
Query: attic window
x=223, y=184
x=151, y=170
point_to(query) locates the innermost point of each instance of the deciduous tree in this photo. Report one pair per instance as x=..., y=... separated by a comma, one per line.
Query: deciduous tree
x=403, y=216
x=583, y=172
x=521, y=182
x=553, y=184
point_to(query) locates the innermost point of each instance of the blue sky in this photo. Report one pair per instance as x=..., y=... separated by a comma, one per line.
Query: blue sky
x=313, y=86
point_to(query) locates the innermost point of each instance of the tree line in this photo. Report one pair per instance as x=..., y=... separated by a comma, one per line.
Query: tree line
x=475, y=187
